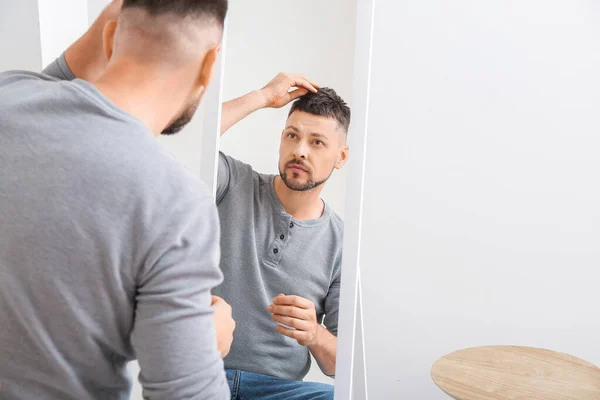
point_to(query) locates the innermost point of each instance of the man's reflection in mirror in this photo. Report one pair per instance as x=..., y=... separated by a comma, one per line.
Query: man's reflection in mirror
x=281, y=244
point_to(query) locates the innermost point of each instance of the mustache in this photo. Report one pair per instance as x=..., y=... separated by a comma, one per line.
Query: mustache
x=297, y=163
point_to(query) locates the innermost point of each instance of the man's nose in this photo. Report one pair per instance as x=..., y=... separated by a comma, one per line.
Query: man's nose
x=300, y=151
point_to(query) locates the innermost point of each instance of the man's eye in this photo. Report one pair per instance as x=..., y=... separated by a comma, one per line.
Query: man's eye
x=291, y=135
x=318, y=142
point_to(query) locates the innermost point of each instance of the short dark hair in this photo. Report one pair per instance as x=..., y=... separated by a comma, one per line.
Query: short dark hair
x=216, y=9
x=325, y=102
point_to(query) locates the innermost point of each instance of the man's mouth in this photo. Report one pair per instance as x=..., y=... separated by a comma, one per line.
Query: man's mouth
x=297, y=167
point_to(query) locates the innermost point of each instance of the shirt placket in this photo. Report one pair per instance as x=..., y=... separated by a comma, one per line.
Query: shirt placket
x=283, y=231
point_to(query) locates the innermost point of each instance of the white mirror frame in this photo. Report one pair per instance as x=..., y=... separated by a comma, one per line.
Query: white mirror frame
x=350, y=317
x=211, y=121
x=348, y=345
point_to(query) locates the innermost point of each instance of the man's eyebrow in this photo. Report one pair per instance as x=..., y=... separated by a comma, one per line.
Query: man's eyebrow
x=292, y=127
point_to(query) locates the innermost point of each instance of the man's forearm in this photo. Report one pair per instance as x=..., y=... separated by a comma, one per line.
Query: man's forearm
x=324, y=351
x=237, y=109
x=78, y=57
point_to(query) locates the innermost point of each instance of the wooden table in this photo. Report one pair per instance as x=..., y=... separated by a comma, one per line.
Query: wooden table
x=513, y=372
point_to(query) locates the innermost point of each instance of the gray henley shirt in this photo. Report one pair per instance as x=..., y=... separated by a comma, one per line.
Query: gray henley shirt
x=264, y=252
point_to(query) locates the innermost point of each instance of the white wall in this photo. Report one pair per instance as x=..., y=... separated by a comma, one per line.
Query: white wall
x=57, y=36
x=20, y=46
x=313, y=38
x=34, y=33
x=481, y=222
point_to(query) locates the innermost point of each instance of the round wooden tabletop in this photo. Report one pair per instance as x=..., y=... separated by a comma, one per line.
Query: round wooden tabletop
x=514, y=372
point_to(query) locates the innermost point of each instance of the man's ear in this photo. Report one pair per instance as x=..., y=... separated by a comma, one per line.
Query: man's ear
x=343, y=157
x=108, y=38
x=208, y=66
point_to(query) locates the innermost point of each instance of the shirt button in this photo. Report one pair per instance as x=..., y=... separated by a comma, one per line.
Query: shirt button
x=282, y=237
x=275, y=251
x=292, y=225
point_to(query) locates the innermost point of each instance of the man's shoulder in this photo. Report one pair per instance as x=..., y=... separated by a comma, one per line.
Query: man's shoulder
x=17, y=75
x=113, y=148
x=22, y=80
x=159, y=172
x=336, y=222
x=234, y=164
x=241, y=171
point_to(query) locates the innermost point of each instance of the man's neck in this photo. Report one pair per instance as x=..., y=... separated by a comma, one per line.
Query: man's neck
x=144, y=93
x=301, y=206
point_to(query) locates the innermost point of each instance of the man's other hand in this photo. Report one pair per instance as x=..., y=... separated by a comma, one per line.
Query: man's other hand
x=299, y=314
x=224, y=324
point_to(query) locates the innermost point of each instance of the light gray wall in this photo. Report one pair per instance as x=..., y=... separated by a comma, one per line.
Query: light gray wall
x=20, y=46
x=481, y=221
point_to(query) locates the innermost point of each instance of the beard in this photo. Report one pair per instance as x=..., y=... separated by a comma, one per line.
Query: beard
x=182, y=120
x=301, y=187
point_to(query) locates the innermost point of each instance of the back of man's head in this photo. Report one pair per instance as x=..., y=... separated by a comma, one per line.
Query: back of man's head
x=161, y=55
x=169, y=31
x=209, y=9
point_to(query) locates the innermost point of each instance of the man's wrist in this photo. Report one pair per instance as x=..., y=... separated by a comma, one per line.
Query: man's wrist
x=259, y=99
x=320, y=333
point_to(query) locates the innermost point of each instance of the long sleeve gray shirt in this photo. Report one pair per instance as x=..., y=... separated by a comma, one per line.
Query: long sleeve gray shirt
x=109, y=250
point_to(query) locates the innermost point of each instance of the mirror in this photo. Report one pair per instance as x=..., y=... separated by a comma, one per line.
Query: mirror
x=300, y=169
x=280, y=191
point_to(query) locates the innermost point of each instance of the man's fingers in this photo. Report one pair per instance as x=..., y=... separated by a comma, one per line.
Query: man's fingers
x=307, y=81
x=316, y=85
x=294, y=334
x=289, y=311
x=305, y=84
x=299, y=81
x=291, y=300
x=297, y=93
x=220, y=304
x=291, y=322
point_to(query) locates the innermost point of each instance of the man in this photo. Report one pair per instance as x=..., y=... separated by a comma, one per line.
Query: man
x=281, y=245
x=108, y=247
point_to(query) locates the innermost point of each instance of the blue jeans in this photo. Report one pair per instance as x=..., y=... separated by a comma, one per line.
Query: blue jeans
x=249, y=386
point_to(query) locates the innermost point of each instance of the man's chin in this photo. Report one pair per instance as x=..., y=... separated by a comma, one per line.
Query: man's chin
x=172, y=130
x=298, y=185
